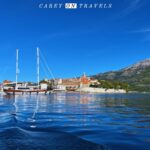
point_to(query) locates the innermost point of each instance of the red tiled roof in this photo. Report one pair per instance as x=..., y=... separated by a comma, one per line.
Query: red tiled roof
x=6, y=81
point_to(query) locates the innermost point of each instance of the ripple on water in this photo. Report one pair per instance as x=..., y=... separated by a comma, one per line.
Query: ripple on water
x=69, y=121
x=16, y=138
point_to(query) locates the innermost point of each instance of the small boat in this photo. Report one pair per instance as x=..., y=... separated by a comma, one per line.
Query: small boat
x=71, y=89
x=25, y=89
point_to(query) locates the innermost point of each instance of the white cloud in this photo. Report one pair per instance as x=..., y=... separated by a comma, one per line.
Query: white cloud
x=133, y=6
x=142, y=30
x=130, y=6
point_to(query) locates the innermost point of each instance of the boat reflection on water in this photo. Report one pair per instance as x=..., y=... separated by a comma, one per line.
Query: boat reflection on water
x=109, y=121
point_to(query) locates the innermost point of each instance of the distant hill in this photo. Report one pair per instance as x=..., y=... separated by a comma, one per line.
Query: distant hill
x=136, y=75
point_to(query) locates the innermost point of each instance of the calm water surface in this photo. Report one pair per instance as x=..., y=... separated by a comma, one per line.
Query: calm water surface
x=66, y=121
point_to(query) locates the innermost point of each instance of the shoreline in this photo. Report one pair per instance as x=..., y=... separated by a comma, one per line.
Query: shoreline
x=101, y=90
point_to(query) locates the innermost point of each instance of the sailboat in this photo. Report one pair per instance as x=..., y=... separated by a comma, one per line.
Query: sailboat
x=25, y=88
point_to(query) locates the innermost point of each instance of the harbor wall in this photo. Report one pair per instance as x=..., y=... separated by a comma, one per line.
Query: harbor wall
x=100, y=90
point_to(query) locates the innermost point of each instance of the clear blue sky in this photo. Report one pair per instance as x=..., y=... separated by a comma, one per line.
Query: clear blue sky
x=72, y=41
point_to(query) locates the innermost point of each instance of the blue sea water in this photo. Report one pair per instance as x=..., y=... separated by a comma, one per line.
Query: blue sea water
x=73, y=121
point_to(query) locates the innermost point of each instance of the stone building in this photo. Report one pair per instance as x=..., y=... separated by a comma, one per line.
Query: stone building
x=84, y=81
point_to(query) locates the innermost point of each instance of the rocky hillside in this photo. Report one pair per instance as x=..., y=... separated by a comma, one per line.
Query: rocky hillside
x=136, y=75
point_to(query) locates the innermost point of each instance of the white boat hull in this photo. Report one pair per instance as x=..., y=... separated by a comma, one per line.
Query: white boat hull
x=25, y=92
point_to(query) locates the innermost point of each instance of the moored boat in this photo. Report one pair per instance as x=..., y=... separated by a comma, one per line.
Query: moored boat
x=24, y=91
x=25, y=88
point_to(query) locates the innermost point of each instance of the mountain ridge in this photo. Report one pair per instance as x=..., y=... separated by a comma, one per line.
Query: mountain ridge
x=136, y=75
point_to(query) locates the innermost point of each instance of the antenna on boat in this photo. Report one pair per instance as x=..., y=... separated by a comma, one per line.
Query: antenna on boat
x=38, y=67
x=17, y=70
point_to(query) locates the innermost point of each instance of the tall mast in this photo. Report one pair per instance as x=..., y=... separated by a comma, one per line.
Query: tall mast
x=38, y=67
x=17, y=70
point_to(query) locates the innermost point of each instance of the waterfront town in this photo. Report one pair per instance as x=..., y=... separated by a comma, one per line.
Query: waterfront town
x=80, y=84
